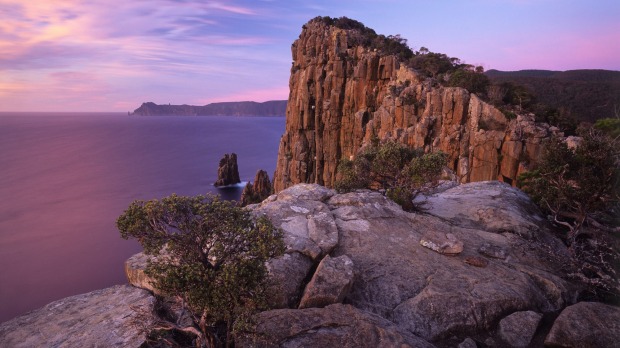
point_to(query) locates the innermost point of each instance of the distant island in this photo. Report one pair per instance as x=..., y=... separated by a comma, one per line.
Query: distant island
x=244, y=108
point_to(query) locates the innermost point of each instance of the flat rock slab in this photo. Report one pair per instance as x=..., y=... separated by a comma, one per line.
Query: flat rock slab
x=96, y=319
x=336, y=325
x=586, y=325
x=490, y=206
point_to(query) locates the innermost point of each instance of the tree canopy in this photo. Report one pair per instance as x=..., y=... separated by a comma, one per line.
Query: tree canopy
x=577, y=185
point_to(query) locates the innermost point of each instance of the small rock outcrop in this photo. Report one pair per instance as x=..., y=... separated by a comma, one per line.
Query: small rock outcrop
x=101, y=318
x=258, y=190
x=331, y=282
x=586, y=325
x=228, y=171
x=343, y=94
x=518, y=328
x=443, y=243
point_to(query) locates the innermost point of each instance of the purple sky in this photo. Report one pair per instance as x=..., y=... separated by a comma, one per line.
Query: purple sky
x=112, y=55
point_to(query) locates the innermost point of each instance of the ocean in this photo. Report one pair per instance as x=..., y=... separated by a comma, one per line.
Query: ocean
x=66, y=177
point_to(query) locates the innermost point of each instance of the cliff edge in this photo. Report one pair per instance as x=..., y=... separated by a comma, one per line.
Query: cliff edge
x=344, y=93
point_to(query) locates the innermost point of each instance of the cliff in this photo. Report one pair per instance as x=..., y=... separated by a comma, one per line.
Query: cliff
x=245, y=108
x=343, y=93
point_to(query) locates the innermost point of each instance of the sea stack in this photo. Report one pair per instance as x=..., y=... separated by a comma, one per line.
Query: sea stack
x=228, y=171
x=258, y=190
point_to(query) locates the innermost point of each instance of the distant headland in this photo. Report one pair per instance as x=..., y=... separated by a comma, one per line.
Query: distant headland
x=243, y=108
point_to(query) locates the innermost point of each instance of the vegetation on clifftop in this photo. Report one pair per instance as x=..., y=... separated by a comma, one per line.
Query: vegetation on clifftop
x=208, y=253
x=579, y=188
x=561, y=99
x=401, y=172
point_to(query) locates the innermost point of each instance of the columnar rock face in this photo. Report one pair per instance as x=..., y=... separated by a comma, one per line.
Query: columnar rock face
x=343, y=94
x=257, y=191
x=228, y=171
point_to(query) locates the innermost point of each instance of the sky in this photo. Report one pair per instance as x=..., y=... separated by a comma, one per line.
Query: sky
x=112, y=55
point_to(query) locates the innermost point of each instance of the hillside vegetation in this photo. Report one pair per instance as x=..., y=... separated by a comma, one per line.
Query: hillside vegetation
x=586, y=95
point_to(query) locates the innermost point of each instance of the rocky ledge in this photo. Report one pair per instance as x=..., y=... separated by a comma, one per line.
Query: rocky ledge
x=101, y=318
x=356, y=273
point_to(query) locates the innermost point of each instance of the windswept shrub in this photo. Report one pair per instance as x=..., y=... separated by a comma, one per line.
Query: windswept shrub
x=209, y=253
x=580, y=190
x=400, y=171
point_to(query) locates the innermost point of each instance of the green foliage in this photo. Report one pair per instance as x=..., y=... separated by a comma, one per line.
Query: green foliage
x=208, y=252
x=609, y=126
x=400, y=171
x=576, y=186
x=474, y=82
x=389, y=45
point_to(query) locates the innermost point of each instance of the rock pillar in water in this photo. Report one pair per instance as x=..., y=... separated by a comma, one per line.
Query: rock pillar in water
x=228, y=171
x=257, y=191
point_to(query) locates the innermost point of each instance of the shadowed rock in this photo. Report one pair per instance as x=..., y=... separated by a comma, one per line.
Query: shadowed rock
x=336, y=325
x=518, y=328
x=228, y=171
x=586, y=325
x=330, y=284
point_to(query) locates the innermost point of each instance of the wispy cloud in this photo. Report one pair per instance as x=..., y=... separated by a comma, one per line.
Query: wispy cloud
x=111, y=54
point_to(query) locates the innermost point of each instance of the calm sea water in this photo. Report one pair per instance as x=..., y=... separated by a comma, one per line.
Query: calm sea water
x=65, y=178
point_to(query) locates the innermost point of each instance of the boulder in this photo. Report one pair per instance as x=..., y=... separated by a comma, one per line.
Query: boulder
x=101, y=318
x=228, y=171
x=134, y=270
x=256, y=191
x=490, y=206
x=330, y=283
x=336, y=325
x=518, y=328
x=309, y=226
x=287, y=274
x=586, y=325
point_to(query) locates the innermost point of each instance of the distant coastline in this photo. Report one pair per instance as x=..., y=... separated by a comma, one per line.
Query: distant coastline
x=244, y=108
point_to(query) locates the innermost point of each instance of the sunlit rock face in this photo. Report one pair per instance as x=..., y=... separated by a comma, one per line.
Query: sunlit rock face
x=343, y=94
